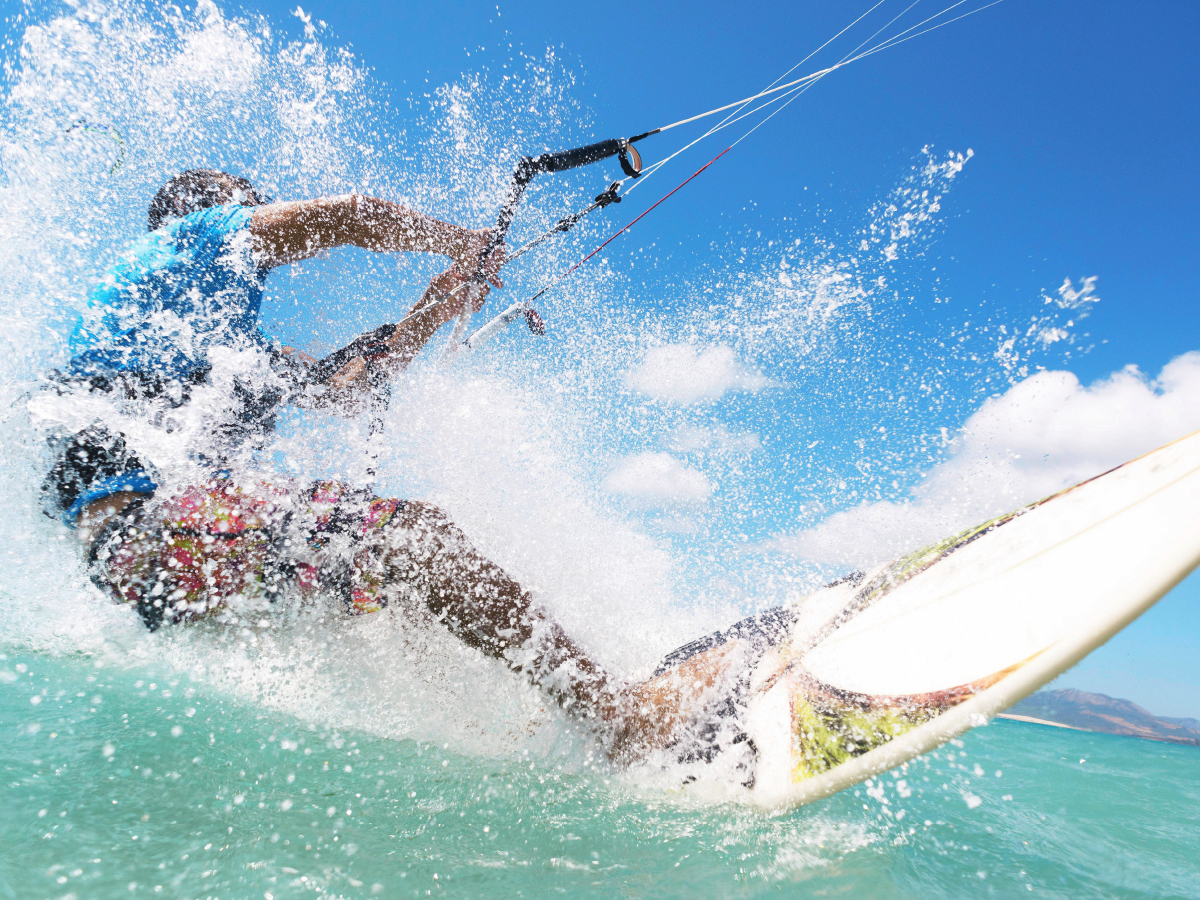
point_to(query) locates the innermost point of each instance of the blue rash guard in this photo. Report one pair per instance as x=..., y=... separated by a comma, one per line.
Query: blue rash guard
x=180, y=290
x=189, y=286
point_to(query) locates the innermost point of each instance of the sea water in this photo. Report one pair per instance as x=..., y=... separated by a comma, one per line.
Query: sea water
x=137, y=781
x=380, y=757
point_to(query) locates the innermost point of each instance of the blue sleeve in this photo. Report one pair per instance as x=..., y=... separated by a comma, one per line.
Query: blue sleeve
x=208, y=254
x=208, y=233
x=220, y=257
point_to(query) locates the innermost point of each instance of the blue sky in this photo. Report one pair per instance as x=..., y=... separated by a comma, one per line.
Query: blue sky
x=1081, y=116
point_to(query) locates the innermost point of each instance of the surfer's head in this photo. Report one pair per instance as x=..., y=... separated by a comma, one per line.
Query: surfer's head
x=198, y=189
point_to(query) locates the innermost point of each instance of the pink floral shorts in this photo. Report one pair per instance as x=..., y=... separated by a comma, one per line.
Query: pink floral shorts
x=226, y=545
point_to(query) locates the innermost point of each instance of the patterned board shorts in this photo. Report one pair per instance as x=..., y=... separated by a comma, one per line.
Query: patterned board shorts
x=225, y=547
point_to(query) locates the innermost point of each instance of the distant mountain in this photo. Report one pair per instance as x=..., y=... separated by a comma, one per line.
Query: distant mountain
x=1185, y=724
x=1110, y=715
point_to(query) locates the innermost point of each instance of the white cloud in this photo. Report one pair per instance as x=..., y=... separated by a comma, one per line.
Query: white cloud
x=1045, y=433
x=678, y=374
x=690, y=438
x=658, y=480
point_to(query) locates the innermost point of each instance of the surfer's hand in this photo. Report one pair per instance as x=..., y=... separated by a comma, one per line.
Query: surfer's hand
x=466, y=253
x=458, y=289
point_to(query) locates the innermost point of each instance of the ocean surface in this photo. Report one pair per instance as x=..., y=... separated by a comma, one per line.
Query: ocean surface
x=127, y=781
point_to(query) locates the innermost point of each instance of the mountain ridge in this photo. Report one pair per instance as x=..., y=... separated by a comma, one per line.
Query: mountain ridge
x=1107, y=715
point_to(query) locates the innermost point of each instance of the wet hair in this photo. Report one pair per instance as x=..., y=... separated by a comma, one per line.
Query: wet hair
x=198, y=189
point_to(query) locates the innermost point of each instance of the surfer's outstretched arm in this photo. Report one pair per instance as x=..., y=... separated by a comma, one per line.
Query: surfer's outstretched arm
x=287, y=232
x=299, y=229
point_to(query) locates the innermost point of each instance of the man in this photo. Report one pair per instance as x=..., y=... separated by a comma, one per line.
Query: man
x=157, y=340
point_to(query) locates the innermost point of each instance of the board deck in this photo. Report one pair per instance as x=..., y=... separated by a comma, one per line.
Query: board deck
x=876, y=669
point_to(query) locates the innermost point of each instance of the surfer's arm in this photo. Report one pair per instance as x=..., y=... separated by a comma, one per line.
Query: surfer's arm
x=298, y=229
x=352, y=381
x=424, y=319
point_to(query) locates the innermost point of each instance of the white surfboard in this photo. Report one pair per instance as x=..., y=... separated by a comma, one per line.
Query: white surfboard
x=873, y=671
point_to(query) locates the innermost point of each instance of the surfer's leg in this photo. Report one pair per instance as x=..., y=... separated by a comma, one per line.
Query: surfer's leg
x=486, y=608
x=372, y=544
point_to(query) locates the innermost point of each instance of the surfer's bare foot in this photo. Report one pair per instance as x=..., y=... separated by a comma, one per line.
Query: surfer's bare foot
x=648, y=716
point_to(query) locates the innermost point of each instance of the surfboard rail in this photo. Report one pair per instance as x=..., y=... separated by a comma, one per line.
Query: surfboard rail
x=1171, y=504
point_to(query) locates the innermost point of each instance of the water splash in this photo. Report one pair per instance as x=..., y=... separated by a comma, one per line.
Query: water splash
x=521, y=445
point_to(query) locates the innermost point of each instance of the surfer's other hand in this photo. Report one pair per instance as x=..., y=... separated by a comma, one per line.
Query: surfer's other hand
x=457, y=288
x=466, y=256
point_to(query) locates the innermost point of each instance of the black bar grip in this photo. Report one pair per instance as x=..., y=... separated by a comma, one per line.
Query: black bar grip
x=573, y=159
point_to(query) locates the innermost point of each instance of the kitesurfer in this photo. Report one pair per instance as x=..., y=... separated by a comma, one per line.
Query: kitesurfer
x=159, y=327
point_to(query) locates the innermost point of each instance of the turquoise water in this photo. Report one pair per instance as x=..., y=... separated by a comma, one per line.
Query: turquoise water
x=131, y=782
